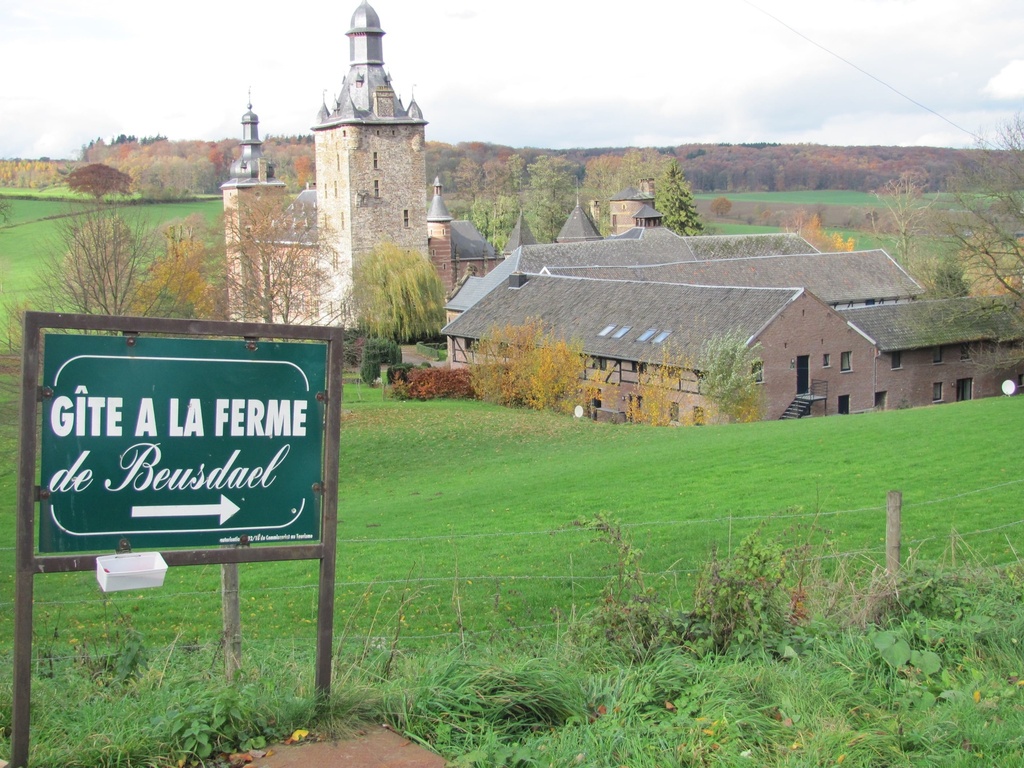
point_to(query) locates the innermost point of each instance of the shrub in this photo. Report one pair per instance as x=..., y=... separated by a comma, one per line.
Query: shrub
x=399, y=373
x=526, y=365
x=378, y=352
x=433, y=383
x=742, y=597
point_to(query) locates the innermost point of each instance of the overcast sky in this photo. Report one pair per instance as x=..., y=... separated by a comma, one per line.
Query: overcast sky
x=541, y=73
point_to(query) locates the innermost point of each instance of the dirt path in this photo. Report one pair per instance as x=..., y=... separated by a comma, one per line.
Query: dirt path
x=375, y=747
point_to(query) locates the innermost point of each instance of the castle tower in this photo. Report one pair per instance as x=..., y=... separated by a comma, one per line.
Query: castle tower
x=252, y=175
x=370, y=162
x=251, y=172
x=439, y=237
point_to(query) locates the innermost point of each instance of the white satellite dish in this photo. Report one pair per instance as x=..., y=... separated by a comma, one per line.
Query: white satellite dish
x=1009, y=387
x=578, y=412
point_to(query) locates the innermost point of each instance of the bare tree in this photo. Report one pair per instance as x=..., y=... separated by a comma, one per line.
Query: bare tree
x=280, y=268
x=909, y=213
x=987, y=223
x=98, y=262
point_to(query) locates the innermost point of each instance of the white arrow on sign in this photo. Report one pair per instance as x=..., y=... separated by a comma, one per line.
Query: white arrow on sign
x=225, y=508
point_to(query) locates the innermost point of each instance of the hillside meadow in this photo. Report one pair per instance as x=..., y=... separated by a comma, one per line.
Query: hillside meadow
x=467, y=529
x=30, y=233
x=517, y=589
x=446, y=499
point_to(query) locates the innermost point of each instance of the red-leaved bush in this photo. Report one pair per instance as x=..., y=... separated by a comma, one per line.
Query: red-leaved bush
x=432, y=383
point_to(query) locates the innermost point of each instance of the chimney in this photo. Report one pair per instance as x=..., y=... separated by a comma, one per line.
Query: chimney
x=647, y=186
x=595, y=211
x=517, y=280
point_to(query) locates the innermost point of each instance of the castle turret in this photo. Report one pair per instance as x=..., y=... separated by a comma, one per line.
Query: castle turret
x=370, y=162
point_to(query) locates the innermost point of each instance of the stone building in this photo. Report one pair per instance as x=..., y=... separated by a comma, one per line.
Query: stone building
x=370, y=181
x=370, y=161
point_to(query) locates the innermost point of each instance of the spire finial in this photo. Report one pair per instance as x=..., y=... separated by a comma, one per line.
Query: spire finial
x=249, y=105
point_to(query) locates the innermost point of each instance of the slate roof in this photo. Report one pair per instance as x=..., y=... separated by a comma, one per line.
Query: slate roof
x=647, y=212
x=476, y=288
x=579, y=309
x=744, y=246
x=468, y=243
x=438, y=210
x=659, y=245
x=631, y=193
x=835, y=278
x=520, y=235
x=921, y=324
x=578, y=228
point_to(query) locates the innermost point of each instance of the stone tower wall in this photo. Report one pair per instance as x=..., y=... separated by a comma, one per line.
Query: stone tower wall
x=371, y=186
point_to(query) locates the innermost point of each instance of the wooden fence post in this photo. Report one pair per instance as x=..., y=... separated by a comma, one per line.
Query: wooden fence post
x=232, y=620
x=893, y=532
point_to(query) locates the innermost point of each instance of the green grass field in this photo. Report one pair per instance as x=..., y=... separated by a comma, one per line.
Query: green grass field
x=446, y=499
x=457, y=533
x=30, y=232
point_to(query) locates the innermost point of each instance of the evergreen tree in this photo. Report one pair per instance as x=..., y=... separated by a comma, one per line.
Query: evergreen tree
x=674, y=201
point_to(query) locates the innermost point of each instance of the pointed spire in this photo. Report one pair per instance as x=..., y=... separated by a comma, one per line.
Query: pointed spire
x=438, y=210
x=520, y=235
x=578, y=227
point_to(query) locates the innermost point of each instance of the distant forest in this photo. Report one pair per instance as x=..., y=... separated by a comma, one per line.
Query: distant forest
x=163, y=169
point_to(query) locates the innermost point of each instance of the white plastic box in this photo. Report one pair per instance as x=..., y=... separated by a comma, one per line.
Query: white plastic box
x=132, y=570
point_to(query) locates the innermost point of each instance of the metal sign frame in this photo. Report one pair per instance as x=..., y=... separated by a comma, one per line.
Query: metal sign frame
x=29, y=563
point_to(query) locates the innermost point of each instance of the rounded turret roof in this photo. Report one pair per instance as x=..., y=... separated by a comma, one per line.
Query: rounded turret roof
x=365, y=19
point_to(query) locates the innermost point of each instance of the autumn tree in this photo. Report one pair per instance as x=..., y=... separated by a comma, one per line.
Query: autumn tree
x=986, y=223
x=5, y=210
x=279, y=267
x=721, y=206
x=675, y=203
x=397, y=294
x=99, y=180
x=97, y=263
x=527, y=366
x=655, y=399
x=180, y=282
x=808, y=226
x=550, y=196
x=637, y=164
x=729, y=373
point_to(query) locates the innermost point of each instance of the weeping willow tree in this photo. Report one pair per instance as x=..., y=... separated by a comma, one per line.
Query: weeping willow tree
x=397, y=294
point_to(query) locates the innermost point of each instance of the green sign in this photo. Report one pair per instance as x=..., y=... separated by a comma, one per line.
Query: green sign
x=179, y=442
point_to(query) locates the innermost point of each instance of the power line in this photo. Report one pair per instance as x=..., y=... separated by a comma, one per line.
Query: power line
x=863, y=71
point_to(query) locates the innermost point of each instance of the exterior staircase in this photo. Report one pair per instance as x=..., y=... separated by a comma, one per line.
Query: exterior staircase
x=801, y=405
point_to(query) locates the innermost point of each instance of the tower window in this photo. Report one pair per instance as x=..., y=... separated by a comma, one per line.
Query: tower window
x=405, y=218
x=376, y=188
x=375, y=166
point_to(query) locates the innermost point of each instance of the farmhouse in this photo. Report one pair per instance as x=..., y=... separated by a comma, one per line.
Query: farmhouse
x=836, y=332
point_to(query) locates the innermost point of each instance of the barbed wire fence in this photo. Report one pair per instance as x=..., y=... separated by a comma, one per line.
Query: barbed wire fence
x=443, y=622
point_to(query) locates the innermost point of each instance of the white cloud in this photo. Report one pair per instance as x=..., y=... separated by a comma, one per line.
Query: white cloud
x=1009, y=83
x=535, y=72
